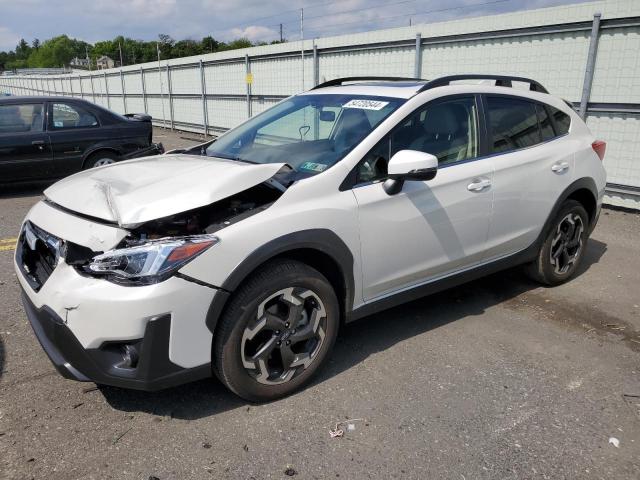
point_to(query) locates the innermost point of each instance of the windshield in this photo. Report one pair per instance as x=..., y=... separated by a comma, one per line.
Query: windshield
x=309, y=132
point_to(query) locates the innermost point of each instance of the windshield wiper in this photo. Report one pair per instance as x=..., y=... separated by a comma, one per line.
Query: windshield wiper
x=238, y=159
x=231, y=157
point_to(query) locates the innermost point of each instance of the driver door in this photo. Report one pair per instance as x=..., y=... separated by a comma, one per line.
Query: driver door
x=430, y=228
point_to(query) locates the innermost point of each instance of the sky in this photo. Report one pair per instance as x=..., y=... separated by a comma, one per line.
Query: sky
x=257, y=20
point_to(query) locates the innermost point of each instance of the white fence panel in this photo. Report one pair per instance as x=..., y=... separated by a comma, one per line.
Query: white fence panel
x=550, y=45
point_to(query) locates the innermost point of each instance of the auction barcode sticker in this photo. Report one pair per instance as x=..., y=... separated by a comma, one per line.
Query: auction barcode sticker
x=366, y=104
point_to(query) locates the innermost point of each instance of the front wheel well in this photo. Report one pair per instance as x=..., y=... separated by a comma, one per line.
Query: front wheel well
x=326, y=265
x=587, y=200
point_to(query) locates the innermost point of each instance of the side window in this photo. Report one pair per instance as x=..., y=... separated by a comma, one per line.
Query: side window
x=546, y=129
x=563, y=121
x=373, y=166
x=513, y=124
x=64, y=115
x=21, y=118
x=447, y=129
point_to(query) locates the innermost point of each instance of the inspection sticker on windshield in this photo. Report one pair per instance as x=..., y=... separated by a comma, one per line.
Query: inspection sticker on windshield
x=366, y=104
x=314, y=167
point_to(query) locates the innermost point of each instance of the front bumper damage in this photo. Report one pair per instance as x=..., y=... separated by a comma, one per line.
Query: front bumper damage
x=144, y=337
x=103, y=365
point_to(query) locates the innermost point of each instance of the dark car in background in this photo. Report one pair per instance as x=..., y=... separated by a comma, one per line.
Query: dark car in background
x=52, y=137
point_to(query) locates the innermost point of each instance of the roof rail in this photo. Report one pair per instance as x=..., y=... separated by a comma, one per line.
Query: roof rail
x=501, y=81
x=340, y=81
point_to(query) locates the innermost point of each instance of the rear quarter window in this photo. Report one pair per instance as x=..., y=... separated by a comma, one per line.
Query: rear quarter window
x=513, y=124
x=562, y=121
x=546, y=127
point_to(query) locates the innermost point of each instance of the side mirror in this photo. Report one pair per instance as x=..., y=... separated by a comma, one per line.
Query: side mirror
x=409, y=165
x=327, y=115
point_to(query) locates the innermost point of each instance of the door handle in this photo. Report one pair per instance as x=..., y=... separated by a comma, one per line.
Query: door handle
x=479, y=184
x=560, y=167
x=39, y=144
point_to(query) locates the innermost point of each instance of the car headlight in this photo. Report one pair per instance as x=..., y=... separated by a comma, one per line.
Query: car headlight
x=150, y=262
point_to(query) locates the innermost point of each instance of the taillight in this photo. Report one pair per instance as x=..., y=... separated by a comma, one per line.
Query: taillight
x=600, y=147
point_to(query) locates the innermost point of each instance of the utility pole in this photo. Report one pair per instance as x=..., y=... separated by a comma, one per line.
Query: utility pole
x=302, y=43
x=86, y=52
x=120, y=47
x=281, y=39
x=164, y=118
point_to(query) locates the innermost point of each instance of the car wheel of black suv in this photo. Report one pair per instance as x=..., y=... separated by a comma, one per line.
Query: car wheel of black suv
x=564, y=246
x=277, y=331
x=100, y=159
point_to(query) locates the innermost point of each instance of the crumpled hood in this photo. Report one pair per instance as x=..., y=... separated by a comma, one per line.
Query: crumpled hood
x=144, y=189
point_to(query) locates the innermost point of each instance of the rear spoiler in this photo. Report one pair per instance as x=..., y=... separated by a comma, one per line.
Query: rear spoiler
x=140, y=117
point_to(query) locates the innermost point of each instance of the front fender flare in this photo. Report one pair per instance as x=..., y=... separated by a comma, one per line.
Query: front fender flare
x=322, y=240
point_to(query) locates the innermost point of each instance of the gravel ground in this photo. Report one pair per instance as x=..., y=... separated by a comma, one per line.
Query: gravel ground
x=498, y=378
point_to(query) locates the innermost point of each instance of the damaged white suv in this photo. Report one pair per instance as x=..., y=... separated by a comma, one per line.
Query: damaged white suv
x=241, y=258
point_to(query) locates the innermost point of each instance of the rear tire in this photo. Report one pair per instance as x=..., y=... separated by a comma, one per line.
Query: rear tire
x=564, y=246
x=100, y=159
x=276, y=333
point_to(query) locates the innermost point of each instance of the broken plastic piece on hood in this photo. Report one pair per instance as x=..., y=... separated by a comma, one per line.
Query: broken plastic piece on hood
x=136, y=191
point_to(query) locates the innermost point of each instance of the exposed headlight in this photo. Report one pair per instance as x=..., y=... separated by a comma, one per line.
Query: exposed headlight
x=151, y=262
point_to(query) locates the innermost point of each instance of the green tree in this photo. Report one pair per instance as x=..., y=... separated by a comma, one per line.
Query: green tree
x=59, y=51
x=165, y=45
x=56, y=52
x=209, y=44
x=186, y=48
x=23, y=49
x=239, y=43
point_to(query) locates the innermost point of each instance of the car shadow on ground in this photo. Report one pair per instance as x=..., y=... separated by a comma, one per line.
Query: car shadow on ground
x=383, y=330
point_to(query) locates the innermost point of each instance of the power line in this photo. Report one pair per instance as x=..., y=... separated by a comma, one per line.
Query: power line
x=384, y=19
x=333, y=14
x=249, y=22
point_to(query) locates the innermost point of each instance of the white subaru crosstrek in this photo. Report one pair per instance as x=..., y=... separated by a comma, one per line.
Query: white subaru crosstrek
x=242, y=257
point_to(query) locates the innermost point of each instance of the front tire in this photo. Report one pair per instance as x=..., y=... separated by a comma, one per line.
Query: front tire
x=277, y=331
x=564, y=246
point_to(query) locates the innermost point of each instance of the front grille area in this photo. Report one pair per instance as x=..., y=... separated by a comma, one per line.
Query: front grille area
x=37, y=254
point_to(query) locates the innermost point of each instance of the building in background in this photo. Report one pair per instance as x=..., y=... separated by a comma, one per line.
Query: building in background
x=104, y=63
x=80, y=63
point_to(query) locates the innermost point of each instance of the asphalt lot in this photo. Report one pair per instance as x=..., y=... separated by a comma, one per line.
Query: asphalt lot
x=498, y=378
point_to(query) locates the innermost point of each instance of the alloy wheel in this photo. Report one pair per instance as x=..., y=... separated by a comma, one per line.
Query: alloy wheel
x=566, y=245
x=285, y=336
x=104, y=161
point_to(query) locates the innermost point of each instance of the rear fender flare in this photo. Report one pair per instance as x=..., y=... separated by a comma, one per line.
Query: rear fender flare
x=582, y=183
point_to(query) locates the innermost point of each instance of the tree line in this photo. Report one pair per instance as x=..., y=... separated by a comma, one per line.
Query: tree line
x=60, y=51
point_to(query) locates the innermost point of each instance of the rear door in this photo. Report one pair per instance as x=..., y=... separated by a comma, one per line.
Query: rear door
x=73, y=130
x=25, y=149
x=533, y=161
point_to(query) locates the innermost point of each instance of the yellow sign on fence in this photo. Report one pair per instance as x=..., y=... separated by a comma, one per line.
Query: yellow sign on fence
x=249, y=78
